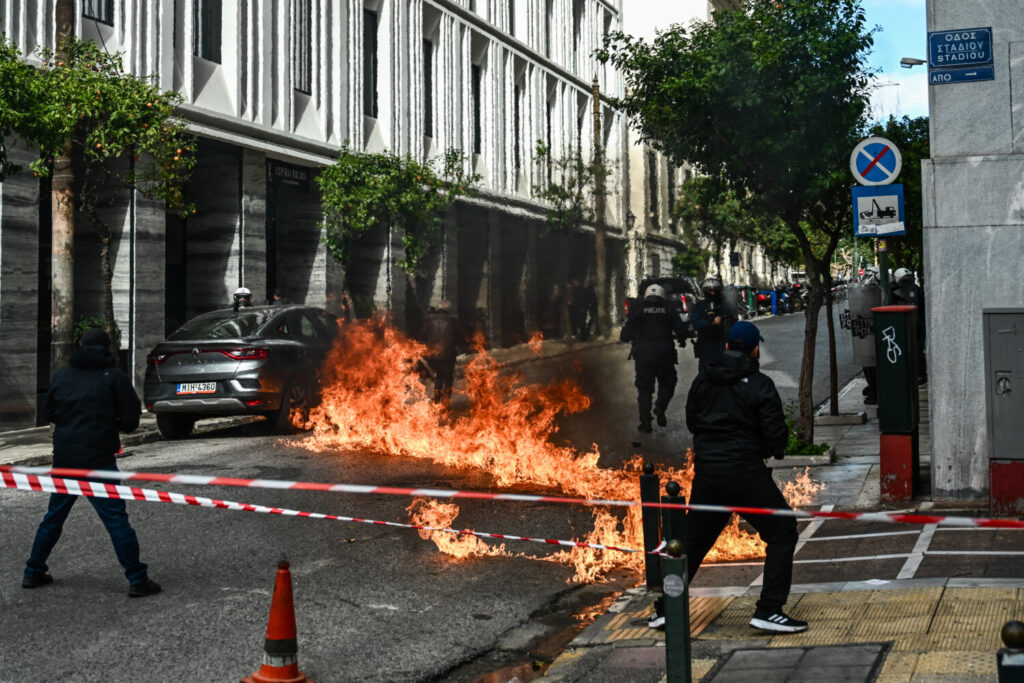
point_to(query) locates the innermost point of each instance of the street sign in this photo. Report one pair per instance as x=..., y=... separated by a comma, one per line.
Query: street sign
x=943, y=76
x=875, y=161
x=959, y=47
x=878, y=211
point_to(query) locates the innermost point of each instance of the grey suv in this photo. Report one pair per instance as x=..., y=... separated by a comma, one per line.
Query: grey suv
x=262, y=360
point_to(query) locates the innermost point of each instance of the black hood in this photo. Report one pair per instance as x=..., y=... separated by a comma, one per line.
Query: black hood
x=92, y=357
x=730, y=367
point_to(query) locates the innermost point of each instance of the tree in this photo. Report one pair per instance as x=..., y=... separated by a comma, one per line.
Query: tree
x=122, y=132
x=911, y=137
x=570, y=191
x=362, y=192
x=765, y=98
x=19, y=89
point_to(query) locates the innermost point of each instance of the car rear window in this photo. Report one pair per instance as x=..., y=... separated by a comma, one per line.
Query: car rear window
x=228, y=326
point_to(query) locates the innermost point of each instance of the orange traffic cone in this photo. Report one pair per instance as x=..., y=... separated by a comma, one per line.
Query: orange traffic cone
x=280, y=650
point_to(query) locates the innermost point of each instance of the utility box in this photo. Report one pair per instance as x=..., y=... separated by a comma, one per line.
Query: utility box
x=1004, y=403
x=896, y=354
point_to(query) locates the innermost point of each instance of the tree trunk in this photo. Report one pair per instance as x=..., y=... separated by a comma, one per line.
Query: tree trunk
x=62, y=304
x=833, y=367
x=805, y=423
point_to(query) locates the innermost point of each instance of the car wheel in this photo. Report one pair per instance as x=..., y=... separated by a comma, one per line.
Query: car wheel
x=294, y=398
x=175, y=425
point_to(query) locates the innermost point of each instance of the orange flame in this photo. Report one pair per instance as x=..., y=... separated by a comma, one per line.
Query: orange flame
x=374, y=398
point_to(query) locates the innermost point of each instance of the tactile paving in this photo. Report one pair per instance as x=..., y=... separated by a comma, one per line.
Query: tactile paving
x=957, y=663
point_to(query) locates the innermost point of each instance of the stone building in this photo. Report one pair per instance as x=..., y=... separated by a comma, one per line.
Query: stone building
x=273, y=90
x=973, y=194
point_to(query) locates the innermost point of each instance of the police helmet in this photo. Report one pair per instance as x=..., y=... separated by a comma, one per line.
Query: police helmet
x=904, y=277
x=655, y=290
x=712, y=286
x=242, y=296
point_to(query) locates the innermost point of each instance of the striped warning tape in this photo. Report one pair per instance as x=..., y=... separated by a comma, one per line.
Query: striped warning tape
x=91, y=489
x=893, y=517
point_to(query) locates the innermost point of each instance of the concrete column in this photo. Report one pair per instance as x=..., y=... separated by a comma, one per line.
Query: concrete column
x=492, y=278
x=19, y=296
x=253, y=242
x=143, y=301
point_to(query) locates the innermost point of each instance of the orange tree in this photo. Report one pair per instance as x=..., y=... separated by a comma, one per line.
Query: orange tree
x=766, y=98
x=123, y=132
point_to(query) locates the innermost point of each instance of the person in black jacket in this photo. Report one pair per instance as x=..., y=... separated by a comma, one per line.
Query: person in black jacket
x=653, y=328
x=736, y=417
x=711, y=321
x=89, y=402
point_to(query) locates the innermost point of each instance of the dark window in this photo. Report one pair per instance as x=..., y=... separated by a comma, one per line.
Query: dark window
x=547, y=139
x=579, y=133
x=517, y=159
x=671, y=195
x=428, y=88
x=577, y=23
x=302, y=45
x=477, y=127
x=472, y=5
x=370, y=63
x=652, y=174
x=512, y=17
x=549, y=19
x=100, y=10
x=208, y=27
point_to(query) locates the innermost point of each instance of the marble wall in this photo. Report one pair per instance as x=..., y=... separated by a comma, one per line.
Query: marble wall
x=973, y=236
x=19, y=258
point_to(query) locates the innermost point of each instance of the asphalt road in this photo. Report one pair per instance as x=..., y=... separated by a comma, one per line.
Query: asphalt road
x=373, y=603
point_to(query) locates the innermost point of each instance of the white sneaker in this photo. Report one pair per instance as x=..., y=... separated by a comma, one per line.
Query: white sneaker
x=656, y=622
x=777, y=622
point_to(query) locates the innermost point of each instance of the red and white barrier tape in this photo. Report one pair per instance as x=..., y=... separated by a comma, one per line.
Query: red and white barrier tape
x=892, y=517
x=75, y=487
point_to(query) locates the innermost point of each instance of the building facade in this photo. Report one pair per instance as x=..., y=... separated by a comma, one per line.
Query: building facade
x=273, y=90
x=973, y=194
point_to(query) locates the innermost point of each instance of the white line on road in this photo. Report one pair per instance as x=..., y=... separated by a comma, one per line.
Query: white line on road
x=917, y=554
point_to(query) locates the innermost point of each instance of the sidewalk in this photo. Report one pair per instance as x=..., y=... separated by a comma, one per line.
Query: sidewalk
x=34, y=447
x=915, y=630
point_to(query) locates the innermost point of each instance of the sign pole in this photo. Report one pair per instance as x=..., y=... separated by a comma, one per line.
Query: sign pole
x=883, y=271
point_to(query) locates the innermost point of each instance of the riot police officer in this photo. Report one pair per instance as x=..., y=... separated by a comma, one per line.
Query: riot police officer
x=653, y=328
x=711, y=319
x=907, y=293
x=242, y=298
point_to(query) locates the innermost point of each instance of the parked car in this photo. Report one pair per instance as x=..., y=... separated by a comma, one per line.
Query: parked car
x=260, y=360
x=683, y=293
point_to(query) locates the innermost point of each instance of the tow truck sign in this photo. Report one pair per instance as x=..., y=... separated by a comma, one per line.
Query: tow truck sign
x=878, y=211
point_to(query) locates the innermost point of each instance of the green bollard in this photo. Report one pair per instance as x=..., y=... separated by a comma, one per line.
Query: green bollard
x=651, y=526
x=677, y=615
x=673, y=520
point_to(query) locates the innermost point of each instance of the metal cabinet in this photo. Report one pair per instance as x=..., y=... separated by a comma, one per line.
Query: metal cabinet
x=1004, y=381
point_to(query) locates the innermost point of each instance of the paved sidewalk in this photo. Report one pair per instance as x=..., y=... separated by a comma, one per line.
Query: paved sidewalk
x=926, y=629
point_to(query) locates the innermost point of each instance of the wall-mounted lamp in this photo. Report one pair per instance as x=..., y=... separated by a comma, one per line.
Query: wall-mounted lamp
x=911, y=62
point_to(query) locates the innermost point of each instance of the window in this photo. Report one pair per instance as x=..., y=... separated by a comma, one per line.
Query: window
x=511, y=17
x=549, y=19
x=652, y=176
x=302, y=45
x=370, y=63
x=671, y=195
x=517, y=159
x=207, y=27
x=477, y=127
x=428, y=88
x=99, y=10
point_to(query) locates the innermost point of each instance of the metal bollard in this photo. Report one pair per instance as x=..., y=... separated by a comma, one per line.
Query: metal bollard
x=651, y=526
x=677, y=615
x=1010, y=659
x=673, y=520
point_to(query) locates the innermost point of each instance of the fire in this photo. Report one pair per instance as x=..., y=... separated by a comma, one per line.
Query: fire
x=373, y=398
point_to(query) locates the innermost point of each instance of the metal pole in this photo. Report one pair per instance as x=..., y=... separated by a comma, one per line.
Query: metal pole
x=673, y=520
x=677, y=615
x=883, y=272
x=651, y=526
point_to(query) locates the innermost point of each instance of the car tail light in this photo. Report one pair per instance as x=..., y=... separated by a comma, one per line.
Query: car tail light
x=686, y=306
x=157, y=358
x=254, y=402
x=247, y=353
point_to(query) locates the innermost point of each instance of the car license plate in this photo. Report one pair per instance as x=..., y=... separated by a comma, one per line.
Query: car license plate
x=198, y=388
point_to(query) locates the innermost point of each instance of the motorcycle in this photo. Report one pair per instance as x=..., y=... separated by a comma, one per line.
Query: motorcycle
x=764, y=303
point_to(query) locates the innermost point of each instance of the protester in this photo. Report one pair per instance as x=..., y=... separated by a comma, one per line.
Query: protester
x=735, y=414
x=89, y=402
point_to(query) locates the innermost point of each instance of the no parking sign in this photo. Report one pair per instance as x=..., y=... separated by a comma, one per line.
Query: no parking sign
x=876, y=161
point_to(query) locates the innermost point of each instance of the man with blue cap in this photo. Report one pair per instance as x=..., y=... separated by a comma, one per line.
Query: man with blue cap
x=735, y=414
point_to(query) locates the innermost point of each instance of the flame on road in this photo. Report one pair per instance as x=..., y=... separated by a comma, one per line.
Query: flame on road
x=374, y=398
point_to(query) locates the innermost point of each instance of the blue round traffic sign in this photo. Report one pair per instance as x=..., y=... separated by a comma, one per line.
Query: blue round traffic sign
x=876, y=161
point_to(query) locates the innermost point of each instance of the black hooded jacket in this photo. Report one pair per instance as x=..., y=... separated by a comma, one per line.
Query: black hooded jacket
x=735, y=415
x=89, y=402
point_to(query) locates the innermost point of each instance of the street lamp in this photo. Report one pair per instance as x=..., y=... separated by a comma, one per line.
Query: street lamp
x=911, y=62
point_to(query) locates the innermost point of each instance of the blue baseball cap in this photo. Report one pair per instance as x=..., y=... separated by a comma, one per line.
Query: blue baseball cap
x=744, y=336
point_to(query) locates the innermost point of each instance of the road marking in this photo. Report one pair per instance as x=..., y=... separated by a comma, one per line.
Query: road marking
x=849, y=537
x=917, y=554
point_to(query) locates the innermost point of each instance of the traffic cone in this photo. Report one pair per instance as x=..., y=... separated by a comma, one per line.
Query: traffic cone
x=280, y=650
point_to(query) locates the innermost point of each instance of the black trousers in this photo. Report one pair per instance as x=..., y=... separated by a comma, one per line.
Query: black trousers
x=752, y=490
x=660, y=370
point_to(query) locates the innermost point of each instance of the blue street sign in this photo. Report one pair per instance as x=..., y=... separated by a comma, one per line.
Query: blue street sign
x=878, y=211
x=978, y=73
x=959, y=47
